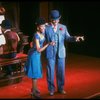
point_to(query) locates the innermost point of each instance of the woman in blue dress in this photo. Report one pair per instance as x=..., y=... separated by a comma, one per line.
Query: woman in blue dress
x=33, y=66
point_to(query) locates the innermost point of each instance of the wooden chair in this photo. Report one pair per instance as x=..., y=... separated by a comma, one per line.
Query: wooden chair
x=19, y=60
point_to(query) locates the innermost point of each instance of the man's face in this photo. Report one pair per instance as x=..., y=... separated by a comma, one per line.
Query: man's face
x=55, y=22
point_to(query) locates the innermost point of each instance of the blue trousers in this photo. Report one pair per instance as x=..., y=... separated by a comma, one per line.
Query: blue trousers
x=60, y=73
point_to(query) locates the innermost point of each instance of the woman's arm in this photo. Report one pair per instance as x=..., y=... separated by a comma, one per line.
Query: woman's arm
x=38, y=46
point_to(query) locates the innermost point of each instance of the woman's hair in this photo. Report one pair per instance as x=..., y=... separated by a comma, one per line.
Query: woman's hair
x=40, y=21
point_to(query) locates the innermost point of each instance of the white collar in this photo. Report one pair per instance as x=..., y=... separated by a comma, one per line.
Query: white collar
x=53, y=26
x=7, y=30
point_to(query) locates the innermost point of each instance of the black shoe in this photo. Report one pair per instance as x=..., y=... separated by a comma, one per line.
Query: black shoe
x=35, y=94
x=37, y=91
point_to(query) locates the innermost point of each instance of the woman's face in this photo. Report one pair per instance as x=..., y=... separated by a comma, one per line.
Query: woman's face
x=41, y=28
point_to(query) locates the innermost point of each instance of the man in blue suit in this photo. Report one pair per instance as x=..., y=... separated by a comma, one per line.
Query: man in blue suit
x=56, y=54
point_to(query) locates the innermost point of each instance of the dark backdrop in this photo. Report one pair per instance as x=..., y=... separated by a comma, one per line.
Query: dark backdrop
x=81, y=18
x=29, y=11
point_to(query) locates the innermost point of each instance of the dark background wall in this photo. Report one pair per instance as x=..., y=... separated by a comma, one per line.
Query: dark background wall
x=29, y=11
x=84, y=19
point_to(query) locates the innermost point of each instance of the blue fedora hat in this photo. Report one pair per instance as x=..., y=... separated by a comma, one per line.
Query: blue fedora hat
x=55, y=15
x=6, y=24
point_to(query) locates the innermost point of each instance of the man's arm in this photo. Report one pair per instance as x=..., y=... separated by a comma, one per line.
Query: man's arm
x=72, y=38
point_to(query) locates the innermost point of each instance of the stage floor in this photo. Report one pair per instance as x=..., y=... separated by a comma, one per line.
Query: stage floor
x=82, y=80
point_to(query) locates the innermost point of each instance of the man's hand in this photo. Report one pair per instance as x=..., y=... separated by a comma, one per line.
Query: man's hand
x=79, y=38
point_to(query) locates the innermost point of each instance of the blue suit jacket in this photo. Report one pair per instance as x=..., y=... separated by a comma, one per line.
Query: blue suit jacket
x=62, y=36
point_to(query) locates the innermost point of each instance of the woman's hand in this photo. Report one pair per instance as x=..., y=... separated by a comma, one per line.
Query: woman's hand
x=52, y=43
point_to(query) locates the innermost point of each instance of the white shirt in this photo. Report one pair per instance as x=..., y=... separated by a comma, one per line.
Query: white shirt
x=2, y=39
x=54, y=27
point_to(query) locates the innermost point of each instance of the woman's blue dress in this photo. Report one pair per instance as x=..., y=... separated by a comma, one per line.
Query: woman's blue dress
x=33, y=65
